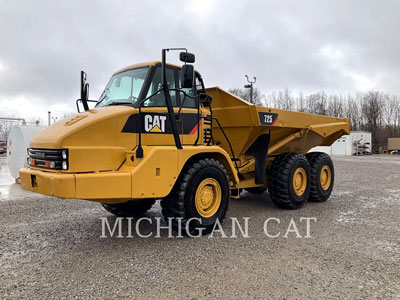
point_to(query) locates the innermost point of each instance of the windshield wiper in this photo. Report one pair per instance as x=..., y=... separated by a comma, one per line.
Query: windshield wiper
x=118, y=103
x=103, y=95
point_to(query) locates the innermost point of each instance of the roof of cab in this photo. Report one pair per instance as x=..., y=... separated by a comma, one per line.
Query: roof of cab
x=145, y=64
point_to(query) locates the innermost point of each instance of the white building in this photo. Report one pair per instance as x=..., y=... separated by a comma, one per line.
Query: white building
x=357, y=143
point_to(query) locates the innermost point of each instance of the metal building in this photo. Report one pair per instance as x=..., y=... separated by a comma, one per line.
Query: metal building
x=356, y=143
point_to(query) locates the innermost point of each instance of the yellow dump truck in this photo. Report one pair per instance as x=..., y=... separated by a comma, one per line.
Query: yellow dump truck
x=157, y=132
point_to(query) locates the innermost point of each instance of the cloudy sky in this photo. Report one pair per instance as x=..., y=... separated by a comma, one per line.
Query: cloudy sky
x=341, y=46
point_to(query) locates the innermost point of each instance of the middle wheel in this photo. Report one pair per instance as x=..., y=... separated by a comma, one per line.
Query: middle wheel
x=201, y=192
x=289, y=182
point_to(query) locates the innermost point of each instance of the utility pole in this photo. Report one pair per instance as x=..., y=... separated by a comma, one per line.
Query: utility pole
x=54, y=119
x=250, y=86
x=49, y=113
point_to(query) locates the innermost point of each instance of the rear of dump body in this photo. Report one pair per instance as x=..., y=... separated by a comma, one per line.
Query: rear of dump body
x=287, y=131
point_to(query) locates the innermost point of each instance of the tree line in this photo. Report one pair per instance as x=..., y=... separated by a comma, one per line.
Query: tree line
x=5, y=128
x=375, y=112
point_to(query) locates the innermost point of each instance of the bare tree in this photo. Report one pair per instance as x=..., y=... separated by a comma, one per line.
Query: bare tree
x=287, y=100
x=335, y=106
x=352, y=112
x=258, y=97
x=300, y=103
x=371, y=108
x=5, y=128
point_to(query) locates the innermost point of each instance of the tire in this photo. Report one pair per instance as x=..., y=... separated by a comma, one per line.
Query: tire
x=198, y=179
x=134, y=208
x=320, y=165
x=289, y=181
x=257, y=190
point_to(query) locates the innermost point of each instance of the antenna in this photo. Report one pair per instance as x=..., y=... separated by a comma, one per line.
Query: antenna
x=250, y=86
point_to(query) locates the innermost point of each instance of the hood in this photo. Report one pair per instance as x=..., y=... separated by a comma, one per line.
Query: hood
x=100, y=124
x=94, y=138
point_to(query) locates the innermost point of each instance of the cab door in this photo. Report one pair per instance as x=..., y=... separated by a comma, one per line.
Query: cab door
x=157, y=129
x=156, y=125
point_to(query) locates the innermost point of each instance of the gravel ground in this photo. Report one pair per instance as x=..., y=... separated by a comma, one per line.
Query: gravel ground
x=51, y=248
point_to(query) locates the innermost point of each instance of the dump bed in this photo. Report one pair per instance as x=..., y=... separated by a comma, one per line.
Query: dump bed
x=287, y=131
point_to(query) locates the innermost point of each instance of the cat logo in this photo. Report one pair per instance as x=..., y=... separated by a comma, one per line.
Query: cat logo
x=154, y=123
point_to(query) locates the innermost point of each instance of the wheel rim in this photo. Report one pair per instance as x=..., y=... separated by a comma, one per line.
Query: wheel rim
x=299, y=181
x=325, y=177
x=208, y=197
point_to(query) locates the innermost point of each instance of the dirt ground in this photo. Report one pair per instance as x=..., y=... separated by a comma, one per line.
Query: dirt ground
x=51, y=248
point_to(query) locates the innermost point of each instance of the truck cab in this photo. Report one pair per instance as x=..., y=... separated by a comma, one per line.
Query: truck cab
x=131, y=87
x=129, y=142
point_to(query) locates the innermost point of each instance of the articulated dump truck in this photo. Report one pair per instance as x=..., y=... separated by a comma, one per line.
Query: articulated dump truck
x=157, y=132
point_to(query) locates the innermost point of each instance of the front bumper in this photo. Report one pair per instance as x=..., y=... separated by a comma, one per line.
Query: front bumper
x=110, y=186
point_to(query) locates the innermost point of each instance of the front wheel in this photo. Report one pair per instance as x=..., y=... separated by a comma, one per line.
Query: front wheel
x=199, y=198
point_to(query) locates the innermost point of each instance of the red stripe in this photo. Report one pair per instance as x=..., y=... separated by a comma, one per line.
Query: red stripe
x=194, y=130
x=275, y=120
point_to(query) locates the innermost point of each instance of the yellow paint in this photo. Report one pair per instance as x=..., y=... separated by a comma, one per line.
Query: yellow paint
x=156, y=129
x=325, y=177
x=299, y=181
x=208, y=197
x=47, y=183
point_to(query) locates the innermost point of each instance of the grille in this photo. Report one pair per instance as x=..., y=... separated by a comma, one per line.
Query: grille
x=44, y=158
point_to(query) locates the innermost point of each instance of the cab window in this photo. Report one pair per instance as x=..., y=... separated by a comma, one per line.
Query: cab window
x=124, y=87
x=189, y=102
x=159, y=99
x=199, y=86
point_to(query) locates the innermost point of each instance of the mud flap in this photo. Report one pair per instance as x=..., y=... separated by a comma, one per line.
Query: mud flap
x=259, y=150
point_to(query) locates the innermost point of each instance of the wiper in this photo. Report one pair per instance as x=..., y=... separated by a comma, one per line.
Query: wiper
x=118, y=103
x=105, y=93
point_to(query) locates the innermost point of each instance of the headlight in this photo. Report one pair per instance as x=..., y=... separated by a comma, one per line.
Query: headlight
x=64, y=165
x=64, y=154
x=31, y=162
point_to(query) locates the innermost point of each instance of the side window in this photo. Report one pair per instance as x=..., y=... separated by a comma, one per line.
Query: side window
x=189, y=102
x=199, y=86
x=155, y=85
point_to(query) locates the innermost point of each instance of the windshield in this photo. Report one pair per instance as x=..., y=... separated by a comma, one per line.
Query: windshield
x=124, y=87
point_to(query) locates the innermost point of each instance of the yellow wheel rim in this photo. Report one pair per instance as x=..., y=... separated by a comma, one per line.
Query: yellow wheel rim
x=208, y=197
x=299, y=181
x=325, y=178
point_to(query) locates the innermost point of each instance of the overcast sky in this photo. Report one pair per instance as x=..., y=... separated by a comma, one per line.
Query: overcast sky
x=338, y=46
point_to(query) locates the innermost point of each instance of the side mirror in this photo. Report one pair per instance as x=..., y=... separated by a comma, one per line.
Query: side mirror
x=187, y=76
x=84, y=91
x=186, y=57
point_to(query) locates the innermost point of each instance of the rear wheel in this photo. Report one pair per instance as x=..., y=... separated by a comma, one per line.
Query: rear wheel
x=201, y=192
x=134, y=208
x=322, y=176
x=289, y=182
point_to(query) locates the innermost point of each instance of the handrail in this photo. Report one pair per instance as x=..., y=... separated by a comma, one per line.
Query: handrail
x=77, y=106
